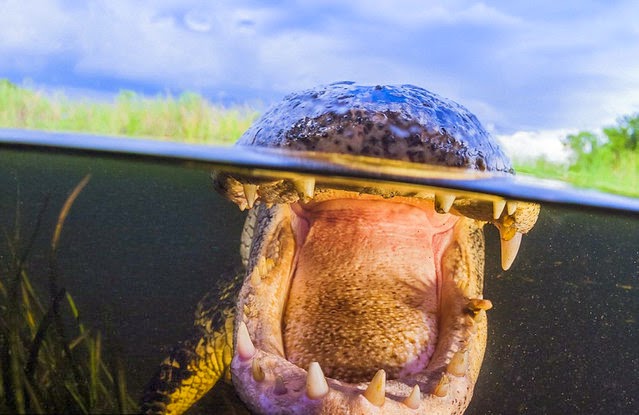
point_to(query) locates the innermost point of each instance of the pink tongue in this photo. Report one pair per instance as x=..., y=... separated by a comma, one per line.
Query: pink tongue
x=364, y=294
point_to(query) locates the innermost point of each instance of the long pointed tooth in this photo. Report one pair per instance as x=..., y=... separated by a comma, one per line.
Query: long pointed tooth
x=442, y=387
x=414, y=399
x=316, y=386
x=250, y=192
x=443, y=202
x=498, y=208
x=376, y=391
x=509, y=250
x=305, y=187
x=458, y=363
x=257, y=371
x=245, y=348
x=511, y=207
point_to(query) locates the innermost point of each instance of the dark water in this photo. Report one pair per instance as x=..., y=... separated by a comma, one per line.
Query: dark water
x=563, y=332
x=143, y=243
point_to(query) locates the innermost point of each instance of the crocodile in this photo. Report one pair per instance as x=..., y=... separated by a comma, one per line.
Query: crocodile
x=357, y=298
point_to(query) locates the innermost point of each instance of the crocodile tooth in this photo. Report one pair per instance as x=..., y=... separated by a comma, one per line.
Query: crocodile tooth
x=443, y=202
x=498, y=208
x=316, y=386
x=475, y=305
x=376, y=391
x=458, y=363
x=511, y=207
x=305, y=187
x=509, y=250
x=423, y=195
x=414, y=399
x=257, y=371
x=245, y=348
x=250, y=192
x=442, y=387
x=280, y=387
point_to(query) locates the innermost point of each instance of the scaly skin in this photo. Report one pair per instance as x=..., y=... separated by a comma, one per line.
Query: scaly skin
x=194, y=366
x=370, y=282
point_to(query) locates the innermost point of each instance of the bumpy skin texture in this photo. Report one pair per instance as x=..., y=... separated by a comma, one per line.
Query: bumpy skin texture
x=395, y=122
x=404, y=123
x=195, y=365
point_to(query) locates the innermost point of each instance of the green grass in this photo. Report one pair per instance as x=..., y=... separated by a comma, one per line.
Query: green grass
x=620, y=175
x=622, y=178
x=50, y=362
x=188, y=118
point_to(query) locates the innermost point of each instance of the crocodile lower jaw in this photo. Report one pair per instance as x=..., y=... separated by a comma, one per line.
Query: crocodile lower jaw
x=445, y=387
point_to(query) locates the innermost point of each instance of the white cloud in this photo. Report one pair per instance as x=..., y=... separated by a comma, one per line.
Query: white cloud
x=170, y=49
x=529, y=145
x=480, y=13
x=33, y=27
x=197, y=22
x=435, y=12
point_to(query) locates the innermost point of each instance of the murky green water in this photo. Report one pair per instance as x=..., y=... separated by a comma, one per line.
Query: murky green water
x=144, y=241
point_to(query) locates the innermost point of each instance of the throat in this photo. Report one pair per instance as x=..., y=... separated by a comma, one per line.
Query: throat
x=364, y=294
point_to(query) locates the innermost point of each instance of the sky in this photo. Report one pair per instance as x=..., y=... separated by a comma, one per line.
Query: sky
x=532, y=71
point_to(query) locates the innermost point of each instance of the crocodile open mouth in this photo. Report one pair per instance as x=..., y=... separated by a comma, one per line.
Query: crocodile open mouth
x=354, y=300
x=366, y=287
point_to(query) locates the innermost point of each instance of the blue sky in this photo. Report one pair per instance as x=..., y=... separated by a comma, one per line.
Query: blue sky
x=530, y=70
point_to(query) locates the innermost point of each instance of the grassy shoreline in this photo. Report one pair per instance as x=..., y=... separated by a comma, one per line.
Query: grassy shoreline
x=188, y=118
x=621, y=177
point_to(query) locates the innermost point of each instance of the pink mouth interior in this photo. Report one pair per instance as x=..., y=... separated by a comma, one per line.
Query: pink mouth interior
x=365, y=292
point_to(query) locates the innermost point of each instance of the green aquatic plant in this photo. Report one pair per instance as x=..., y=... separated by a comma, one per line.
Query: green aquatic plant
x=50, y=362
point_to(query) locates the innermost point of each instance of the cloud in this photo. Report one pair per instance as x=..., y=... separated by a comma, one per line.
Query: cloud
x=530, y=145
x=581, y=68
x=135, y=42
x=520, y=66
x=36, y=30
x=420, y=12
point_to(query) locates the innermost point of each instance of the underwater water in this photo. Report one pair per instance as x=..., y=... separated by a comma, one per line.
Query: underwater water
x=144, y=241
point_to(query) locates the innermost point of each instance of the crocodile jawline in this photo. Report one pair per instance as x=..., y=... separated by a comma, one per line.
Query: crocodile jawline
x=272, y=374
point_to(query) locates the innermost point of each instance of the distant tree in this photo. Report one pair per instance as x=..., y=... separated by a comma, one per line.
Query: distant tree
x=625, y=135
x=622, y=138
x=581, y=144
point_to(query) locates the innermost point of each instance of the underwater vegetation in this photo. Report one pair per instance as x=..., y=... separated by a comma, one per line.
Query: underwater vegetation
x=50, y=362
